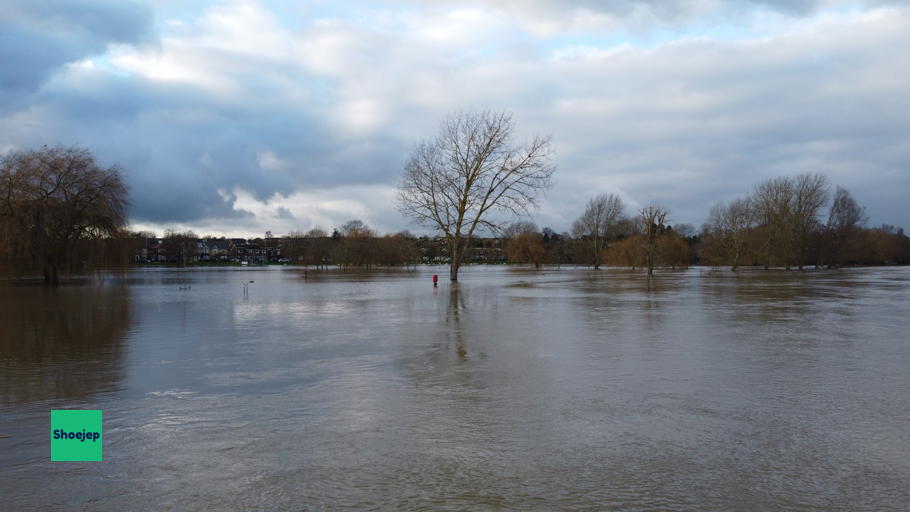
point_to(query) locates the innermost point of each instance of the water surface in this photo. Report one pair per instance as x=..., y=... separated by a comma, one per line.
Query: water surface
x=516, y=390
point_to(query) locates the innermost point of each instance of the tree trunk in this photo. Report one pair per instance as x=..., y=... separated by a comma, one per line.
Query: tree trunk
x=596, y=254
x=454, y=261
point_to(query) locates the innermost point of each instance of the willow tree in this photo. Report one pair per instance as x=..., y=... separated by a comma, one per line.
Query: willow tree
x=471, y=176
x=53, y=198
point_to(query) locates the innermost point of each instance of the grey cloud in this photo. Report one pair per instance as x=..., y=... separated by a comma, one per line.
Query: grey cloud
x=36, y=38
x=690, y=135
x=284, y=213
x=683, y=124
x=179, y=145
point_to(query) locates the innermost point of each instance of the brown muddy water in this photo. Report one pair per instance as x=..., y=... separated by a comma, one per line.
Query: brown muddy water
x=516, y=390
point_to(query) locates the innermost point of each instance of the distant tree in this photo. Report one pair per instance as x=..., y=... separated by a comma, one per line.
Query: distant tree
x=653, y=220
x=685, y=230
x=787, y=212
x=470, y=171
x=672, y=250
x=524, y=244
x=517, y=228
x=179, y=247
x=293, y=247
x=772, y=201
x=728, y=225
x=318, y=247
x=628, y=226
x=599, y=222
x=845, y=218
x=52, y=198
x=810, y=193
x=355, y=227
x=628, y=252
x=396, y=250
x=357, y=245
x=555, y=246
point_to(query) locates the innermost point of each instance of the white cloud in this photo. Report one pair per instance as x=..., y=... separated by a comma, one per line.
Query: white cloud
x=314, y=116
x=298, y=211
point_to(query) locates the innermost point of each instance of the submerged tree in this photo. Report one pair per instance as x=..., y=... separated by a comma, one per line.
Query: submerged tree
x=357, y=245
x=472, y=170
x=179, y=247
x=728, y=225
x=52, y=198
x=787, y=210
x=524, y=244
x=772, y=201
x=810, y=193
x=845, y=217
x=653, y=220
x=599, y=222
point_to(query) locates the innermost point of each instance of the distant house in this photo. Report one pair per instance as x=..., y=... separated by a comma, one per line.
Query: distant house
x=252, y=251
x=219, y=249
x=212, y=249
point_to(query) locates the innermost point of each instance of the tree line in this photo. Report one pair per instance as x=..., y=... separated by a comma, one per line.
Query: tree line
x=354, y=245
x=785, y=222
x=794, y=222
x=60, y=211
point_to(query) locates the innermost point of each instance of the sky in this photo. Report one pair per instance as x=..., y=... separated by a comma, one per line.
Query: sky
x=237, y=117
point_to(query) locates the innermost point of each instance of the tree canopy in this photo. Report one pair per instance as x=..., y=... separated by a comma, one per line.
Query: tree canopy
x=52, y=198
x=471, y=171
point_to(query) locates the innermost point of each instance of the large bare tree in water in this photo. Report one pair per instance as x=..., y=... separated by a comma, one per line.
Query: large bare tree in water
x=470, y=172
x=52, y=198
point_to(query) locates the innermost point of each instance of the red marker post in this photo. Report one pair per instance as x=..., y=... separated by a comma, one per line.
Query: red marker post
x=435, y=280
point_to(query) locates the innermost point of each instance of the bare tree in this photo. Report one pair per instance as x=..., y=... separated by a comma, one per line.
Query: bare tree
x=179, y=247
x=728, y=225
x=469, y=172
x=357, y=245
x=810, y=193
x=653, y=220
x=598, y=222
x=52, y=198
x=787, y=210
x=773, y=201
x=845, y=217
x=356, y=228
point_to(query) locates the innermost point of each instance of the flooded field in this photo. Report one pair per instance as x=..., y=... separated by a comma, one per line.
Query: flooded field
x=565, y=389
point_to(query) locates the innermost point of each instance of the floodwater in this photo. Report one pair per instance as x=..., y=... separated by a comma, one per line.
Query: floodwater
x=516, y=390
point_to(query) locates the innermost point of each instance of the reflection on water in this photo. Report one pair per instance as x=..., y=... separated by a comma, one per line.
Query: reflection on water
x=61, y=343
x=512, y=390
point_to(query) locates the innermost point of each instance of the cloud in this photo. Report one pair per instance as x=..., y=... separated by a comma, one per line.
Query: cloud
x=246, y=117
x=38, y=38
x=298, y=211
